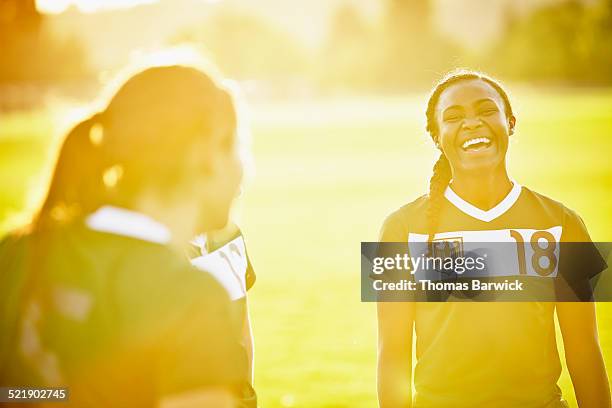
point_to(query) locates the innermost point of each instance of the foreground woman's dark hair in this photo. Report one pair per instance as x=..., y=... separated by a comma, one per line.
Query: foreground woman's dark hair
x=97, y=297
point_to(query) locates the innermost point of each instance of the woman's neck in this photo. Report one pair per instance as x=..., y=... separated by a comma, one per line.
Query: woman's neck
x=177, y=216
x=484, y=191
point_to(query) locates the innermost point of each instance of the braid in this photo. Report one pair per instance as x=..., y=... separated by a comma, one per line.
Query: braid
x=442, y=173
x=437, y=184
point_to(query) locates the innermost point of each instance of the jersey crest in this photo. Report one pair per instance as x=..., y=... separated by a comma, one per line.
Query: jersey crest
x=506, y=252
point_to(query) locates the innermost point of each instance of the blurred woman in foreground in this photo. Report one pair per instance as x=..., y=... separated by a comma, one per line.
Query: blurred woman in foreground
x=97, y=295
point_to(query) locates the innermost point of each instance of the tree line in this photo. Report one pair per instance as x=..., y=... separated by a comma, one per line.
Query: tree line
x=568, y=42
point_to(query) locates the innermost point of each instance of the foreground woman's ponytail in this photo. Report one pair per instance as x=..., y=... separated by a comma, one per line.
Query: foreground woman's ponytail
x=75, y=183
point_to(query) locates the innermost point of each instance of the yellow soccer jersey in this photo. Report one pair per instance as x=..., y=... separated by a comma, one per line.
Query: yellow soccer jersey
x=492, y=354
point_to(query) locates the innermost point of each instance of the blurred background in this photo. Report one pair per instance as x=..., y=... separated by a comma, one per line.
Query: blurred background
x=337, y=92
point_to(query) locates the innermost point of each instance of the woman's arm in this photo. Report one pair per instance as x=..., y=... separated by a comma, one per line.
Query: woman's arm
x=583, y=354
x=247, y=340
x=395, y=323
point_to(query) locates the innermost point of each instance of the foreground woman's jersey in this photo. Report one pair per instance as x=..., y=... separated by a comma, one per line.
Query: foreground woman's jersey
x=120, y=320
x=495, y=354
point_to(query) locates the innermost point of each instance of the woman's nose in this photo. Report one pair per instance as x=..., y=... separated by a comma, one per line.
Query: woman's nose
x=471, y=123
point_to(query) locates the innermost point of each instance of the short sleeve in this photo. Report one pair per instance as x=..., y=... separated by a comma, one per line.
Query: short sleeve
x=394, y=229
x=580, y=252
x=180, y=316
x=199, y=347
x=393, y=241
x=580, y=260
x=574, y=229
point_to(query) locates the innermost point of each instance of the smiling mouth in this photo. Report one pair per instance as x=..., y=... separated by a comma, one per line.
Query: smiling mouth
x=476, y=143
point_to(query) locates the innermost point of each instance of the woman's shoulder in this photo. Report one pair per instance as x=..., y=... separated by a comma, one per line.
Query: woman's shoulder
x=415, y=208
x=547, y=204
x=14, y=243
x=395, y=225
x=9, y=239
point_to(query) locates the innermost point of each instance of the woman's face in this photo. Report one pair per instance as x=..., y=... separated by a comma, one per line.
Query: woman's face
x=473, y=128
x=220, y=181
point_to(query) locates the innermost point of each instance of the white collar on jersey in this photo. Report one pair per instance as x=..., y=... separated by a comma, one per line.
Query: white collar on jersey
x=200, y=242
x=488, y=215
x=121, y=221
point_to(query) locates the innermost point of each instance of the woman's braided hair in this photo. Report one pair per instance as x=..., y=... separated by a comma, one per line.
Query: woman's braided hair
x=441, y=170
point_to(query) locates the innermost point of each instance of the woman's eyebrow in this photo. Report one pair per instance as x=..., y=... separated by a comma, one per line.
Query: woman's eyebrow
x=457, y=107
x=477, y=103
x=483, y=100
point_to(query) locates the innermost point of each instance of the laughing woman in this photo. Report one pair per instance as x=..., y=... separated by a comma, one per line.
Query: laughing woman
x=483, y=354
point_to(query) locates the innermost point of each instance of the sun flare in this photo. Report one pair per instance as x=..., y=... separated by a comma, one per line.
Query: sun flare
x=86, y=6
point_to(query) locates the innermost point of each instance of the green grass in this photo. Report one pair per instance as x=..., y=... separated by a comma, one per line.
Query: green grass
x=327, y=174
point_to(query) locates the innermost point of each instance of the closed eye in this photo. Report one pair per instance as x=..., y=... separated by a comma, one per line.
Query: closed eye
x=488, y=111
x=452, y=114
x=453, y=118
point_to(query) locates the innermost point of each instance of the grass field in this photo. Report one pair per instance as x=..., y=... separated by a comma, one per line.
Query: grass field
x=327, y=173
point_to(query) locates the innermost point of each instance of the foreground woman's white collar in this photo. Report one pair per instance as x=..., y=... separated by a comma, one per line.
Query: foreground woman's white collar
x=120, y=221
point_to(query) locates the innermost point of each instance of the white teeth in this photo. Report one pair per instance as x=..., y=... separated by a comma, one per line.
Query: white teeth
x=471, y=142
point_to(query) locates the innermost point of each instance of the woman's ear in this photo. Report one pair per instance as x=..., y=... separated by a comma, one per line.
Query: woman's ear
x=436, y=140
x=511, y=125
